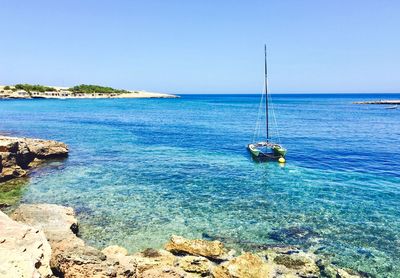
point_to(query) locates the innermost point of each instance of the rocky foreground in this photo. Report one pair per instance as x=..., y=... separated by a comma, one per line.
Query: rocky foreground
x=19, y=155
x=41, y=241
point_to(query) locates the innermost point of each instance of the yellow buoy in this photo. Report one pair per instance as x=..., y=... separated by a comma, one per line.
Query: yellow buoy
x=281, y=160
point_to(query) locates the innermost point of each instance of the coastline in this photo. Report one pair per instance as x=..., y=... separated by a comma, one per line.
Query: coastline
x=40, y=240
x=48, y=236
x=65, y=93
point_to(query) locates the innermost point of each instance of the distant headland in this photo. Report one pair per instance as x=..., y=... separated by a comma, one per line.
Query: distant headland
x=389, y=101
x=28, y=91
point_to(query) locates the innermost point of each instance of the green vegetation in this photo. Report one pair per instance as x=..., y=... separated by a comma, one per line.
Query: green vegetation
x=34, y=88
x=12, y=191
x=81, y=89
x=91, y=89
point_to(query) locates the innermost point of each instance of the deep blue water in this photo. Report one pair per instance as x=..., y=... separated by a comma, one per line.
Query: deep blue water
x=140, y=170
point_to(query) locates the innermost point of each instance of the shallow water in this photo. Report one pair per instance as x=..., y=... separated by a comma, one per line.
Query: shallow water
x=140, y=170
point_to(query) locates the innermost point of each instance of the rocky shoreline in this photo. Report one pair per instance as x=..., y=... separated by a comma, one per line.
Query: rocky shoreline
x=19, y=155
x=40, y=240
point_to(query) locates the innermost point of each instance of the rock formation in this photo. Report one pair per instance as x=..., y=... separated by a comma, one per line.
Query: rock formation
x=25, y=252
x=17, y=155
x=71, y=257
x=209, y=249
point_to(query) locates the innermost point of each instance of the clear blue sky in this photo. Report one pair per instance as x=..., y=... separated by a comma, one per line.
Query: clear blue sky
x=203, y=46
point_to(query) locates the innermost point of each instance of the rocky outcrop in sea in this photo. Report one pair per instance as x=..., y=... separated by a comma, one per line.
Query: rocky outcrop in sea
x=19, y=155
x=40, y=240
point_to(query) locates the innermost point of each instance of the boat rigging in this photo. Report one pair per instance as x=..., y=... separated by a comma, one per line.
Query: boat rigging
x=267, y=150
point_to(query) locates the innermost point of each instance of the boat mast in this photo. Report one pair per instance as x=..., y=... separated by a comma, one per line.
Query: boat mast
x=266, y=89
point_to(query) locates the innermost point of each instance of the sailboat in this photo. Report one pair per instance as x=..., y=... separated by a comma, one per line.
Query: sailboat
x=267, y=150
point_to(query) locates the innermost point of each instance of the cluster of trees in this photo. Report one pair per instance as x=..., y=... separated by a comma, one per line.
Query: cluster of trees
x=83, y=89
x=34, y=88
x=91, y=89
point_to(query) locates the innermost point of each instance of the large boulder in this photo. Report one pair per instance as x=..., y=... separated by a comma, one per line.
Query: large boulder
x=85, y=261
x=246, y=265
x=47, y=148
x=210, y=249
x=24, y=250
x=151, y=259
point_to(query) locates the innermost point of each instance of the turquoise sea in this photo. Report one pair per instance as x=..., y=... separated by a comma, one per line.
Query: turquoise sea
x=140, y=170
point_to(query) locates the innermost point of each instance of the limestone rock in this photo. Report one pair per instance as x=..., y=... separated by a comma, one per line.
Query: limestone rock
x=24, y=155
x=194, y=264
x=47, y=148
x=292, y=261
x=151, y=258
x=70, y=256
x=8, y=159
x=36, y=162
x=24, y=250
x=114, y=251
x=85, y=261
x=301, y=264
x=7, y=144
x=163, y=272
x=246, y=265
x=12, y=172
x=209, y=249
x=17, y=154
x=57, y=222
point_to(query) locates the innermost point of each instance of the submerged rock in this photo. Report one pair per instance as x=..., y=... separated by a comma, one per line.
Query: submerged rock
x=24, y=250
x=209, y=249
x=294, y=235
x=342, y=273
x=17, y=154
